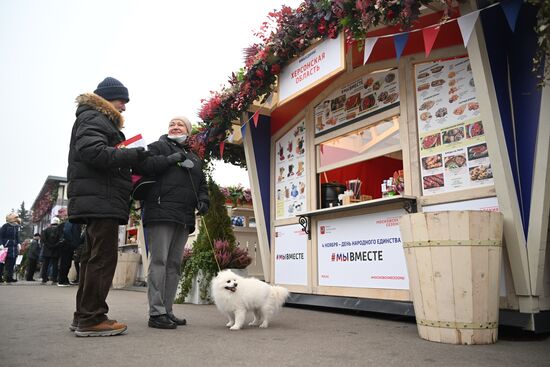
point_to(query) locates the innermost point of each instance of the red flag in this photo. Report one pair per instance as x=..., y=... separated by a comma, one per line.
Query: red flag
x=222, y=145
x=255, y=118
x=430, y=35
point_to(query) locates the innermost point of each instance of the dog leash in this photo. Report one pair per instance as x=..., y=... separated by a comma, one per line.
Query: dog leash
x=202, y=216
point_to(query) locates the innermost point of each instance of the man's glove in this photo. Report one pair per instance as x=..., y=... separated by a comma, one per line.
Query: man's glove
x=142, y=153
x=202, y=208
x=175, y=158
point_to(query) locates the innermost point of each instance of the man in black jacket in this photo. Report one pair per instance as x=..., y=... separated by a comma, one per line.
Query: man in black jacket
x=50, y=253
x=99, y=196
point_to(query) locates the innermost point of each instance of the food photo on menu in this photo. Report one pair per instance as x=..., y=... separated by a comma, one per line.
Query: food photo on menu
x=368, y=102
x=430, y=141
x=432, y=162
x=474, y=129
x=426, y=105
x=337, y=103
x=481, y=172
x=477, y=151
x=426, y=116
x=433, y=181
x=453, y=162
x=453, y=135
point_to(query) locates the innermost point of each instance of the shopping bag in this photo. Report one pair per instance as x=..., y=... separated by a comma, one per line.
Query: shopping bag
x=3, y=255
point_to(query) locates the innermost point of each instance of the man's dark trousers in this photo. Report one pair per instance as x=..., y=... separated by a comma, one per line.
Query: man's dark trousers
x=97, y=268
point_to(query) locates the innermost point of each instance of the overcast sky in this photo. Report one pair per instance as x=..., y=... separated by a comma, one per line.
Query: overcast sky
x=168, y=53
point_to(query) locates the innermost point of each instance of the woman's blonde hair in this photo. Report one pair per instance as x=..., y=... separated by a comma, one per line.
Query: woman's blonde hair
x=12, y=217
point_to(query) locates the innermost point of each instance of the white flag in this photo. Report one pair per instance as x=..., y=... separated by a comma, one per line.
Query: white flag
x=466, y=24
x=369, y=45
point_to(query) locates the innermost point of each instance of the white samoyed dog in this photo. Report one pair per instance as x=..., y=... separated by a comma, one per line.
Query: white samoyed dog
x=235, y=296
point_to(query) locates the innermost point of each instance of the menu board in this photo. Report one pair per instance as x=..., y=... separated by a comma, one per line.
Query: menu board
x=453, y=151
x=368, y=95
x=290, y=168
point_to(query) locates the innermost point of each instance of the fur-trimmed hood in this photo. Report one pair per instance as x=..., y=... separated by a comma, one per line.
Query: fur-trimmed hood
x=101, y=105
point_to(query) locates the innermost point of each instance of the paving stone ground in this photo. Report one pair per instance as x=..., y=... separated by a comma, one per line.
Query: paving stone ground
x=35, y=319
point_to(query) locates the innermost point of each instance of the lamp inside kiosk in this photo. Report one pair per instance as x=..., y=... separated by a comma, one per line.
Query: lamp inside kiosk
x=359, y=161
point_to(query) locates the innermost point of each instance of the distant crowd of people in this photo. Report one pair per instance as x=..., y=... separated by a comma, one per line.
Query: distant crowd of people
x=52, y=252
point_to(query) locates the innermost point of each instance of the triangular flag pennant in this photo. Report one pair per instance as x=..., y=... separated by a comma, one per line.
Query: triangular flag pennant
x=399, y=41
x=255, y=118
x=430, y=35
x=369, y=46
x=466, y=24
x=222, y=145
x=243, y=131
x=511, y=11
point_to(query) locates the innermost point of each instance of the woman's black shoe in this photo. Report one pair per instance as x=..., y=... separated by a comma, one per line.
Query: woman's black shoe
x=176, y=320
x=161, y=322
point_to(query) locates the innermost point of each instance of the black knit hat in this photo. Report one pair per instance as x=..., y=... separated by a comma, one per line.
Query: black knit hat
x=112, y=89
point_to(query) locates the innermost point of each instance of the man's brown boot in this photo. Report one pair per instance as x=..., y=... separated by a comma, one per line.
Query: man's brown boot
x=105, y=328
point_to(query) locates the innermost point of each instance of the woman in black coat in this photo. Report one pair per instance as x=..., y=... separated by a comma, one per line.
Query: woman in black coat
x=169, y=217
x=9, y=238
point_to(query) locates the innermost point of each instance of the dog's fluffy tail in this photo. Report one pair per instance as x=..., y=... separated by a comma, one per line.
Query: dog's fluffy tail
x=278, y=295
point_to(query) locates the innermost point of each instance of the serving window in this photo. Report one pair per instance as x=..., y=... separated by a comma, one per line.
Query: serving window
x=364, y=143
x=359, y=161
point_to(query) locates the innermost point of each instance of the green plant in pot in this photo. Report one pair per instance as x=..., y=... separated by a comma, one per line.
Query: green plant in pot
x=215, y=237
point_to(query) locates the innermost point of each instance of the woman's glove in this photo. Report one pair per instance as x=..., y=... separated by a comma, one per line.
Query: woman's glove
x=142, y=153
x=175, y=158
x=202, y=208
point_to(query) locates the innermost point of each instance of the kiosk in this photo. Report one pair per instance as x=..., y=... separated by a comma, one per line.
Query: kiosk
x=351, y=144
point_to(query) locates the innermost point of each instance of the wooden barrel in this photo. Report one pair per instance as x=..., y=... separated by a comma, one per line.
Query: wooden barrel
x=453, y=260
x=126, y=269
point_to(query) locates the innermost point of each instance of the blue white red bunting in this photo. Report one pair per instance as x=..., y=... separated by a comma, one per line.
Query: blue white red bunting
x=255, y=117
x=243, y=131
x=511, y=11
x=369, y=45
x=399, y=41
x=430, y=35
x=465, y=22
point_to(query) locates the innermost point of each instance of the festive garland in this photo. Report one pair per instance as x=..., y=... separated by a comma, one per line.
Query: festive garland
x=45, y=202
x=288, y=33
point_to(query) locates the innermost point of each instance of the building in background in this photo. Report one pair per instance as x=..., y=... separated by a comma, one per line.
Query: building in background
x=51, y=199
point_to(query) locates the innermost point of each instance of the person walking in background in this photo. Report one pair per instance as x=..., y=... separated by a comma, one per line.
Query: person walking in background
x=9, y=238
x=33, y=254
x=51, y=237
x=99, y=189
x=73, y=238
x=169, y=216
